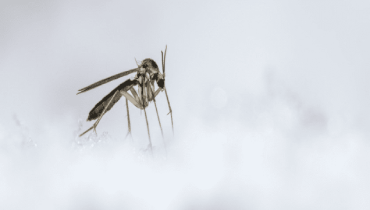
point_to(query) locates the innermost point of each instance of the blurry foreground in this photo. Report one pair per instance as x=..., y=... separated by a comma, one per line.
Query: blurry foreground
x=285, y=156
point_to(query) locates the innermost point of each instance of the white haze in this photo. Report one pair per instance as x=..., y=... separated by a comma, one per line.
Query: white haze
x=270, y=103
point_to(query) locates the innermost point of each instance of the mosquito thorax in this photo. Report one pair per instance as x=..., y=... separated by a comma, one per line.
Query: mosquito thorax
x=150, y=67
x=149, y=63
x=140, y=80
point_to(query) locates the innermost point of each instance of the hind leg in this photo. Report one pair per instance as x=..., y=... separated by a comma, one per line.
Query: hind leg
x=98, y=120
x=128, y=119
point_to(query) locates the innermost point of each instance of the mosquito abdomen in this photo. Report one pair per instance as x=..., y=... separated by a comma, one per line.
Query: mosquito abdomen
x=99, y=107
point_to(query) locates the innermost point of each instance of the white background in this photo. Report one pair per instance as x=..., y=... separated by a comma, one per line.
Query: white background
x=270, y=102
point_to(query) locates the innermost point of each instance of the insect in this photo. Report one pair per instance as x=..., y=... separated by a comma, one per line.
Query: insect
x=147, y=73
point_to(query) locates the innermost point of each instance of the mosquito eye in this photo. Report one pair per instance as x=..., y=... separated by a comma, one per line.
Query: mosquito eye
x=160, y=83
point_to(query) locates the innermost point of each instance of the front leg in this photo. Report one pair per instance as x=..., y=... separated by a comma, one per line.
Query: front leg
x=134, y=93
x=131, y=99
x=155, y=93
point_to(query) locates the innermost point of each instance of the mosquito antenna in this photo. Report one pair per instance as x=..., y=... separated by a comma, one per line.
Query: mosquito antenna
x=164, y=60
x=165, y=89
x=162, y=63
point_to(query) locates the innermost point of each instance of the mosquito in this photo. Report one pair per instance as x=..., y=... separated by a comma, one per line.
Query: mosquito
x=147, y=73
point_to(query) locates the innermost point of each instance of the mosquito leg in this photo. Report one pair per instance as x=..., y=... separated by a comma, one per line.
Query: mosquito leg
x=169, y=106
x=165, y=90
x=150, y=91
x=105, y=109
x=131, y=99
x=135, y=101
x=128, y=119
x=133, y=92
x=147, y=125
x=141, y=95
x=156, y=93
x=155, y=104
x=145, y=95
x=159, y=121
x=140, y=92
x=86, y=131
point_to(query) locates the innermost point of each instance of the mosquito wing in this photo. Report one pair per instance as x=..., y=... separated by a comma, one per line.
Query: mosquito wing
x=106, y=80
